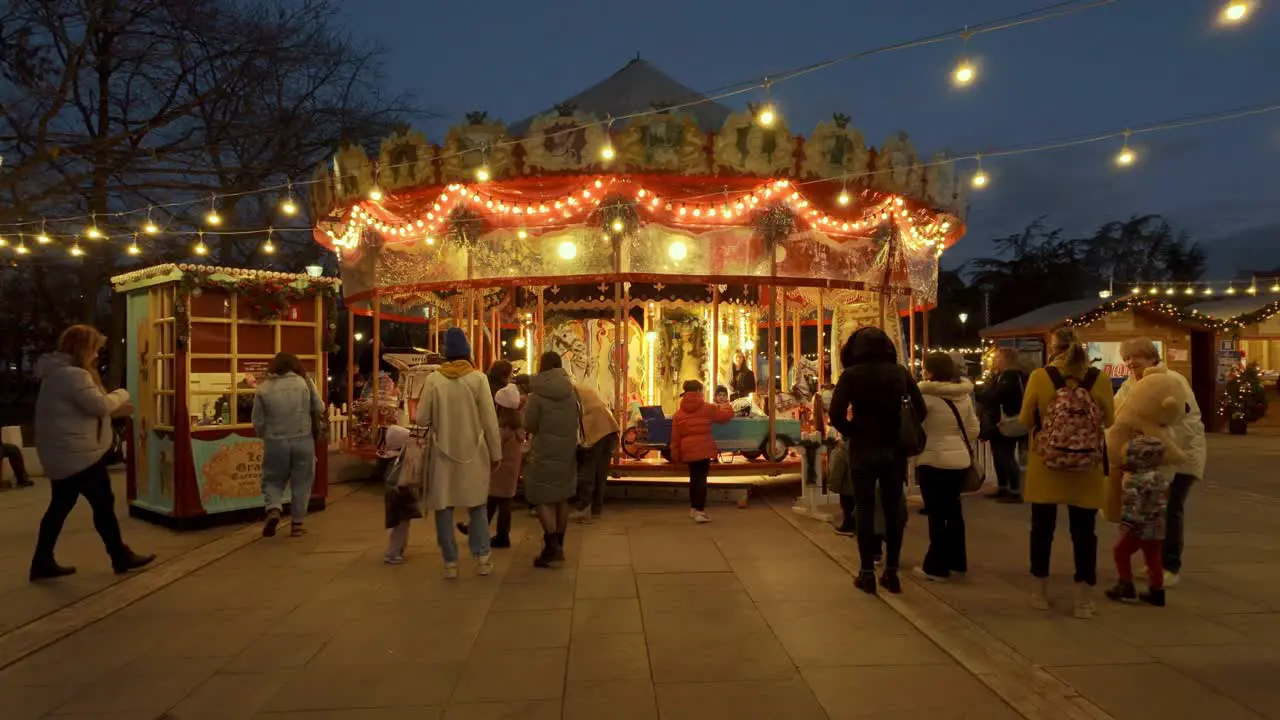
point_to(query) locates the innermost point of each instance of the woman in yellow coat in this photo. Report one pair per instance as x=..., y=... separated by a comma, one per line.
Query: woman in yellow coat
x=1082, y=491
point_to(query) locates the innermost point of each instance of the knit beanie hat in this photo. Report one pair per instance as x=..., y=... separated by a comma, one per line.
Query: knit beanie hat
x=456, y=346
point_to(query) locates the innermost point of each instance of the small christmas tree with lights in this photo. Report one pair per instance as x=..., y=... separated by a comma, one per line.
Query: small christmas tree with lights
x=1244, y=400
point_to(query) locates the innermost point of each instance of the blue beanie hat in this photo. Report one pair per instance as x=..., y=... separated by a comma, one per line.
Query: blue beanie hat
x=456, y=346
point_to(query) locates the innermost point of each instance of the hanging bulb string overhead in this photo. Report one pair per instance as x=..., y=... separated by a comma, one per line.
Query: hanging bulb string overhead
x=1008, y=22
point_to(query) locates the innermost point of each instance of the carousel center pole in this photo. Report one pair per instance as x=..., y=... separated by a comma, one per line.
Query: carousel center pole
x=770, y=350
x=376, y=408
x=911, y=332
x=715, y=338
x=822, y=375
x=784, y=354
x=542, y=337
x=798, y=348
x=619, y=332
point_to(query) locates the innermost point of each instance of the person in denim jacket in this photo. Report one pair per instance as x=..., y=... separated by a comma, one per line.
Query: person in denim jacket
x=283, y=412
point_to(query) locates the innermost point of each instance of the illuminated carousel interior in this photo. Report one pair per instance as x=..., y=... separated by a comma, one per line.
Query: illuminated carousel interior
x=705, y=243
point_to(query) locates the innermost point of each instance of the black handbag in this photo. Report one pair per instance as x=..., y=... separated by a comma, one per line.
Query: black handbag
x=911, y=436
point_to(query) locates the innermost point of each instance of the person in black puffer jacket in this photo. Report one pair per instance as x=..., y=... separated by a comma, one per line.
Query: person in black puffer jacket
x=866, y=408
x=1002, y=393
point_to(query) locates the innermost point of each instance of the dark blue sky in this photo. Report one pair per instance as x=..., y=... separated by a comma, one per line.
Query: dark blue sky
x=1133, y=63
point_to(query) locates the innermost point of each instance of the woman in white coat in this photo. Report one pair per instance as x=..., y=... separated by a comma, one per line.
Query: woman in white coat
x=466, y=447
x=950, y=426
x=1142, y=357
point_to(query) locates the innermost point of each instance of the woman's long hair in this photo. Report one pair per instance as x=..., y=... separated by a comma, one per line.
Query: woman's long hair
x=499, y=375
x=284, y=363
x=1066, y=342
x=82, y=344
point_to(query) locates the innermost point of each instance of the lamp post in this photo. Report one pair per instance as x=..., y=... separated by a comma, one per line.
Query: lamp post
x=964, y=318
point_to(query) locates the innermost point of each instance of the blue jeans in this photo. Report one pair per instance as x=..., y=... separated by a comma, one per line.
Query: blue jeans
x=477, y=539
x=291, y=461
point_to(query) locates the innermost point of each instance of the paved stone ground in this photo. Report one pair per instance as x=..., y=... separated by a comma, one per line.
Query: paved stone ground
x=1213, y=652
x=20, y=512
x=654, y=617
x=741, y=618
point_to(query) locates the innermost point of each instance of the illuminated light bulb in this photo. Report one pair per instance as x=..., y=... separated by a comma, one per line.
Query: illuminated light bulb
x=843, y=198
x=430, y=240
x=150, y=228
x=898, y=201
x=22, y=248
x=1236, y=12
x=483, y=174
x=43, y=239
x=520, y=342
x=358, y=337
x=1189, y=291
x=651, y=336
x=617, y=225
x=134, y=249
x=3, y=242
x=964, y=73
x=1253, y=290
x=1125, y=157
x=567, y=250
x=749, y=344
x=1169, y=291
x=289, y=207
x=522, y=233
x=767, y=115
x=200, y=248
x=1208, y=291
x=677, y=251
x=375, y=194
x=980, y=179
x=76, y=251
x=1154, y=290
x=1275, y=287
x=93, y=232
x=607, y=152
x=1231, y=289
x=269, y=247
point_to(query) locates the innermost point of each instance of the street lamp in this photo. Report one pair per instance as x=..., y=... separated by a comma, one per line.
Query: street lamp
x=964, y=318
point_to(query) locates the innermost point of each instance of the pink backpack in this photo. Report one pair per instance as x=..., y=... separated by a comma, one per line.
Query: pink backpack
x=1070, y=437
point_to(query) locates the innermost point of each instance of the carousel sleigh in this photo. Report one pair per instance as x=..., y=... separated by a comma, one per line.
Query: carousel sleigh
x=748, y=437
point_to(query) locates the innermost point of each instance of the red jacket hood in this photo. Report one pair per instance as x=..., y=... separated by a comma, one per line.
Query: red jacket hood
x=690, y=402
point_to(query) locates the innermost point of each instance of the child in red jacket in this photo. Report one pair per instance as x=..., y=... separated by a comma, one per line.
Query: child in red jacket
x=692, y=444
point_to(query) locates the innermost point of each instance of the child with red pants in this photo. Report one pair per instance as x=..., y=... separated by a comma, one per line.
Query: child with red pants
x=1146, y=497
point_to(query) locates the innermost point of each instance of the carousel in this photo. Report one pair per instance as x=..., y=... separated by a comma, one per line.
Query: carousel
x=675, y=244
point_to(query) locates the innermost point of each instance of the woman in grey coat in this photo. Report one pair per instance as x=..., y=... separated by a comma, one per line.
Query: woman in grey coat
x=553, y=418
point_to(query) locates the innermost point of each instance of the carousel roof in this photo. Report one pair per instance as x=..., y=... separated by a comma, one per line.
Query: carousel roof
x=638, y=86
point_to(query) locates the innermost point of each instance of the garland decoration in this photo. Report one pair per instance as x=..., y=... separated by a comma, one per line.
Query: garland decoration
x=776, y=224
x=267, y=299
x=1176, y=313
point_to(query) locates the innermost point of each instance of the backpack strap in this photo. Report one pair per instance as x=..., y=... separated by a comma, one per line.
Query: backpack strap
x=1055, y=375
x=1090, y=378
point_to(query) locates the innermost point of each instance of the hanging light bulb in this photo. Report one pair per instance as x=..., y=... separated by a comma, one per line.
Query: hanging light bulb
x=375, y=194
x=1231, y=289
x=289, y=206
x=212, y=217
x=520, y=342
x=269, y=247
x=1189, y=291
x=93, y=233
x=76, y=251
x=617, y=225
x=522, y=233
x=567, y=250
x=1126, y=156
x=1170, y=291
x=43, y=238
x=1275, y=286
x=483, y=174
x=22, y=248
x=1154, y=290
x=430, y=240
x=1235, y=12
x=200, y=248
x=1253, y=288
x=843, y=198
x=1208, y=290
x=4, y=242
x=766, y=115
x=149, y=227
x=133, y=248
x=964, y=73
x=1137, y=290
x=677, y=250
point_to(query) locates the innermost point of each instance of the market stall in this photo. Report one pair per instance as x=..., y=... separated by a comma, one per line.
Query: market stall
x=199, y=339
x=648, y=251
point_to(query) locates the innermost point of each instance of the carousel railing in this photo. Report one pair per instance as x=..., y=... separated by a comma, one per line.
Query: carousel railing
x=338, y=419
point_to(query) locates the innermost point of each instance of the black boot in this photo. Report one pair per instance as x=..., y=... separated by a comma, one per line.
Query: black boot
x=848, y=528
x=1154, y=596
x=500, y=542
x=889, y=581
x=48, y=569
x=548, y=554
x=1123, y=590
x=130, y=560
x=462, y=528
x=559, y=547
x=866, y=582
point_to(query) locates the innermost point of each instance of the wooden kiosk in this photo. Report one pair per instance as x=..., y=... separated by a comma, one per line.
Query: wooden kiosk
x=198, y=340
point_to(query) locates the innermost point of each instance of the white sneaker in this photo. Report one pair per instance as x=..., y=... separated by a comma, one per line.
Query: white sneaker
x=1040, y=596
x=699, y=516
x=483, y=565
x=1084, y=607
x=1171, y=579
x=393, y=559
x=451, y=571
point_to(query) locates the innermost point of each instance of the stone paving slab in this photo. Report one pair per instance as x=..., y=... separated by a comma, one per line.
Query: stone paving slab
x=1213, y=652
x=651, y=617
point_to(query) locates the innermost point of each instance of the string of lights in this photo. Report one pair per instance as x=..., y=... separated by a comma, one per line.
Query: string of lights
x=766, y=113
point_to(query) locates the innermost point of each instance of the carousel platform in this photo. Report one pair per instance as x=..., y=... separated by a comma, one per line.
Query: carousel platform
x=731, y=481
